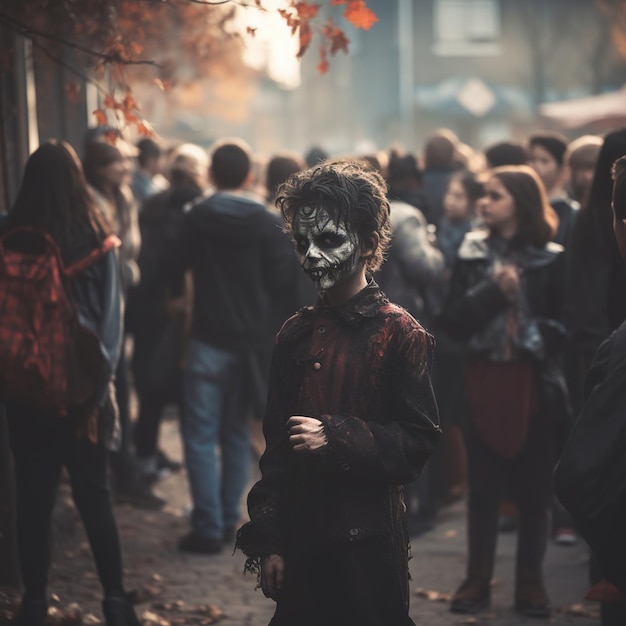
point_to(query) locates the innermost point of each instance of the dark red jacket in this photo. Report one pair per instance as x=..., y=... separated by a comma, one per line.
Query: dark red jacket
x=363, y=369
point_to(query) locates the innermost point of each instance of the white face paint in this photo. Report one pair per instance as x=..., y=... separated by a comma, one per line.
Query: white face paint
x=327, y=252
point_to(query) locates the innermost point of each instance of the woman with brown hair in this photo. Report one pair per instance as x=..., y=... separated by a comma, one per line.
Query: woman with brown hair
x=505, y=303
x=107, y=170
x=54, y=198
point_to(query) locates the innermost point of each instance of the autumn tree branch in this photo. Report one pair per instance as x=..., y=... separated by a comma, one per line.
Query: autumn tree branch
x=26, y=31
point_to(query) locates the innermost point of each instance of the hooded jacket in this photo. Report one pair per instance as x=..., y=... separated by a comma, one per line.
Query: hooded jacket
x=240, y=259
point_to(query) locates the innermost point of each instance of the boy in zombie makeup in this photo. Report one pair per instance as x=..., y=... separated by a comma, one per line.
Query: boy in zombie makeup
x=350, y=418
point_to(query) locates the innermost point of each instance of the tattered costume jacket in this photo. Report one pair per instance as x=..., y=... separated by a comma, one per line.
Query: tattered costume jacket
x=363, y=369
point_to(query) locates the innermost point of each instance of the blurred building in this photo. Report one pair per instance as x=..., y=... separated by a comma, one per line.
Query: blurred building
x=479, y=67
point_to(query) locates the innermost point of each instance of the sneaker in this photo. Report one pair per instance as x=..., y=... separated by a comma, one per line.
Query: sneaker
x=197, y=544
x=565, y=536
x=163, y=462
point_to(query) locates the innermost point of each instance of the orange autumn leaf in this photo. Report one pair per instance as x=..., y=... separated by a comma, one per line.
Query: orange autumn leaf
x=292, y=21
x=336, y=37
x=144, y=129
x=109, y=102
x=306, y=10
x=130, y=102
x=101, y=117
x=359, y=15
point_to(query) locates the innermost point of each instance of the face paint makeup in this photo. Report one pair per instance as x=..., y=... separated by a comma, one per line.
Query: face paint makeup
x=327, y=252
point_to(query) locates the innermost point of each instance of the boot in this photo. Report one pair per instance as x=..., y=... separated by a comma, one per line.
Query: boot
x=119, y=611
x=531, y=599
x=472, y=596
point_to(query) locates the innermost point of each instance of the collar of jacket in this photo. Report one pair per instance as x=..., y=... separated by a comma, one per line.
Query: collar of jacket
x=365, y=304
x=475, y=247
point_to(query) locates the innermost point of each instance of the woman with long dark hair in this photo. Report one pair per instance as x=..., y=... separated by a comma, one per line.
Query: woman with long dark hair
x=505, y=302
x=54, y=198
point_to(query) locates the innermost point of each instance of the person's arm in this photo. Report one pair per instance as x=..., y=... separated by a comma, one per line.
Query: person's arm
x=421, y=262
x=470, y=306
x=551, y=324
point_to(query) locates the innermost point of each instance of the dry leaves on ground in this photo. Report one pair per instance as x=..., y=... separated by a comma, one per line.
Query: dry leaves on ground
x=433, y=595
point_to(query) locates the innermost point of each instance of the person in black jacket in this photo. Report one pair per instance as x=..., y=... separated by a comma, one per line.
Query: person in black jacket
x=505, y=302
x=589, y=479
x=239, y=259
x=54, y=197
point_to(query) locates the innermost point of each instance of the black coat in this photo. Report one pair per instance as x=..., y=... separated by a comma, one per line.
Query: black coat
x=475, y=299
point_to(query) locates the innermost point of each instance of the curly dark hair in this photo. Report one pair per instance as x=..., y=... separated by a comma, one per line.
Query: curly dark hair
x=351, y=192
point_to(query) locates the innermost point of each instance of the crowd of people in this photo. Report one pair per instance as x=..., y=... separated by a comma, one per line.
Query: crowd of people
x=506, y=257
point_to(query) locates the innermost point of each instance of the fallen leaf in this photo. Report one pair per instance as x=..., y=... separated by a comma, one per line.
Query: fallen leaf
x=433, y=595
x=581, y=610
x=152, y=619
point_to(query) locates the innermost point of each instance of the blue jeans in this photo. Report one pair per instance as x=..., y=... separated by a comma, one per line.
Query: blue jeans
x=215, y=414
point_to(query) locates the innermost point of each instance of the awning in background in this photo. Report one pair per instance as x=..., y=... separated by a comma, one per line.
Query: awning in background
x=607, y=109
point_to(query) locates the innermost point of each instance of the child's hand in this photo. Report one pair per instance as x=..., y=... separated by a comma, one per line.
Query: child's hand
x=272, y=572
x=306, y=434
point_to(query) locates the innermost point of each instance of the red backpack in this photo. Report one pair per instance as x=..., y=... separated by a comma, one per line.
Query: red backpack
x=38, y=320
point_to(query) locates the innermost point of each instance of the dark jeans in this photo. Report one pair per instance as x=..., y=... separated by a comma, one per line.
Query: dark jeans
x=529, y=479
x=42, y=445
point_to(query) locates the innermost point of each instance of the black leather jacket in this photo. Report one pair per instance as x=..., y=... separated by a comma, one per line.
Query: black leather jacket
x=475, y=299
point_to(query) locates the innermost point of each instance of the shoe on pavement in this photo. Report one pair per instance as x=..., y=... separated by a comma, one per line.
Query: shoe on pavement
x=565, y=536
x=472, y=596
x=197, y=544
x=531, y=600
x=119, y=611
x=163, y=462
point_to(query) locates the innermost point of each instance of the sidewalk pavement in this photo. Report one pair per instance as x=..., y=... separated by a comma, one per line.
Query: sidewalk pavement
x=188, y=589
